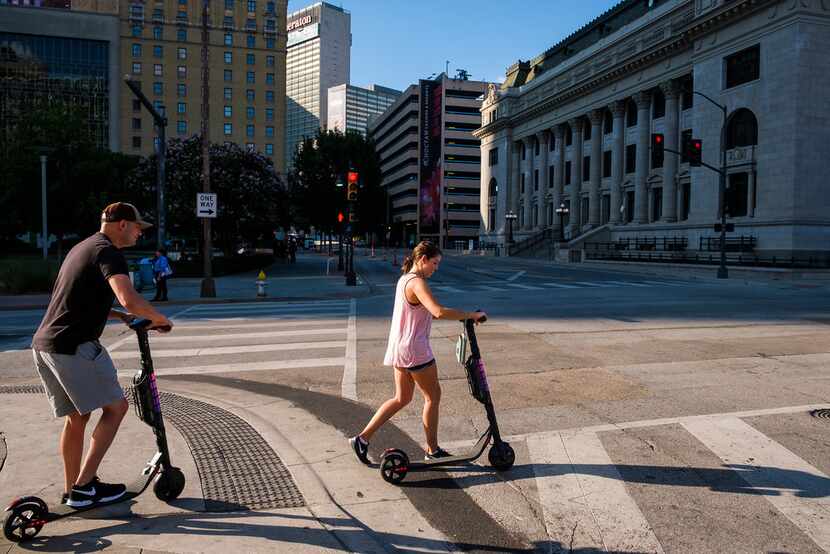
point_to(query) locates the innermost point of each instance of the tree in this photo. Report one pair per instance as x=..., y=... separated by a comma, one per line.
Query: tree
x=323, y=161
x=248, y=190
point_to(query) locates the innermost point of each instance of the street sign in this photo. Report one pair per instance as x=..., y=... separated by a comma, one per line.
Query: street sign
x=206, y=204
x=730, y=227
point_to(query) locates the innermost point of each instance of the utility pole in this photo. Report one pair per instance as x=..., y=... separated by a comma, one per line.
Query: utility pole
x=208, y=286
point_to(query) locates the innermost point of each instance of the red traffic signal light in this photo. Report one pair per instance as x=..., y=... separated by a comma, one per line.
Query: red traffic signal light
x=339, y=217
x=695, y=153
x=352, y=177
x=657, y=144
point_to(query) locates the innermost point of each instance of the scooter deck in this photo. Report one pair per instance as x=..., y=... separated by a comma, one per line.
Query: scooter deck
x=134, y=489
x=458, y=459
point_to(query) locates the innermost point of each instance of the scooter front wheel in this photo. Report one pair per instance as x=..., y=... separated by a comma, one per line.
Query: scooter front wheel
x=169, y=484
x=501, y=456
x=21, y=521
x=394, y=466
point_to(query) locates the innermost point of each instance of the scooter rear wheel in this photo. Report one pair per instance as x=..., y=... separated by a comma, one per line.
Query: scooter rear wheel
x=169, y=484
x=501, y=456
x=18, y=526
x=394, y=466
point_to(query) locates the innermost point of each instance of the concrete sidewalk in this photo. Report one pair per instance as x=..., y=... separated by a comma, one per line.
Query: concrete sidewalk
x=313, y=276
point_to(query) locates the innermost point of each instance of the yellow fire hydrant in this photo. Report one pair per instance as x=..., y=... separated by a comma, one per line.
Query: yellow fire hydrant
x=261, y=283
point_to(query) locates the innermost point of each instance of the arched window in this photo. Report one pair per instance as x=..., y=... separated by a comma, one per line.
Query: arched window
x=741, y=129
x=493, y=188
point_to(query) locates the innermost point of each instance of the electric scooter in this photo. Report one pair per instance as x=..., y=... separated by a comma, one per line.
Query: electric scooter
x=395, y=464
x=26, y=516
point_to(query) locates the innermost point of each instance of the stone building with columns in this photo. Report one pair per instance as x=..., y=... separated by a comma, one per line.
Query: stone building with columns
x=566, y=139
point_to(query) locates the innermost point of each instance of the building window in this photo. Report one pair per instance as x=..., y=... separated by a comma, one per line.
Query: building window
x=269, y=131
x=136, y=142
x=136, y=33
x=269, y=61
x=551, y=170
x=157, y=33
x=630, y=158
x=742, y=129
x=250, y=112
x=136, y=105
x=158, y=51
x=656, y=204
x=228, y=111
x=269, y=96
x=158, y=88
x=181, y=107
x=631, y=114
x=685, y=200
x=535, y=146
x=568, y=172
x=269, y=7
x=586, y=129
x=251, y=6
x=181, y=17
x=250, y=77
x=136, y=50
x=227, y=128
x=737, y=194
x=181, y=35
x=181, y=90
x=228, y=57
x=552, y=143
x=181, y=53
x=181, y=127
x=228, y=75
x=606, y=163
x=158, y=15
x=522, y=189
x=250, y=59
x=181, y=71
x=494, y=156
x=569, y=135
x=251, y=41
x=249, y=130
x=658, y=104
x=269, y=114
x=158, y=106
x=136, y=123
x=523, y=149
x=228, y=93
x=250, y=95
x=270, y=43
x=157, y=70
x=269, y=149
x=228, y=39
x=269, y=78
x=607, y=123
x=229, y=4
x=136, y=68
x=685, y=137
x=687, y=98
x=605, y=209
x=743, y=67
x=250, y=25
x=584, y=212
x=535, y=179
x=227, y=22
x=586, y=168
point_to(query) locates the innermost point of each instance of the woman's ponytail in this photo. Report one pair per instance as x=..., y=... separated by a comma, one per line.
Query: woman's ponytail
x=424, y=248
x=408, y=262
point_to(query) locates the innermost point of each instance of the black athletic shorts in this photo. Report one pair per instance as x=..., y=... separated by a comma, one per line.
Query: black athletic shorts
x=419, y=367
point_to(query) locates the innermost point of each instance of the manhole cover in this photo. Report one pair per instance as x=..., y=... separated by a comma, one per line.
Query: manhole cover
x=823, y=413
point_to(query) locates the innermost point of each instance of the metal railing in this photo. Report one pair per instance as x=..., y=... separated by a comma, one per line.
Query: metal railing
x=701, y=258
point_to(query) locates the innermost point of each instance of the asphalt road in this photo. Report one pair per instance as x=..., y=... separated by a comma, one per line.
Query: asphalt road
x=648, y=412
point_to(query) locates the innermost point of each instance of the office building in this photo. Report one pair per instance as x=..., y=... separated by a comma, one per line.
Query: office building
x=351, y=108
x=430, y=161
x=319, y=46
x=572, y=127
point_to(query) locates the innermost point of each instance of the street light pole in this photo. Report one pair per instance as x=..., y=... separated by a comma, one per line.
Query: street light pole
x=43, y=205
x=562, y=210
x=509, y=217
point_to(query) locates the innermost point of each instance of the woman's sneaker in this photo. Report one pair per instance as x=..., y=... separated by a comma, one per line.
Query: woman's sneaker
x=440, y=453
x=95, y=492
x=361, y=449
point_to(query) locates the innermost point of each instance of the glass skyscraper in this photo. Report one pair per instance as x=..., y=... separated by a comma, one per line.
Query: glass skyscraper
x=351, y=108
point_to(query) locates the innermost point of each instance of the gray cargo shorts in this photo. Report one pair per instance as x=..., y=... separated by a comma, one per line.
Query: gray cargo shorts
x=80, y=382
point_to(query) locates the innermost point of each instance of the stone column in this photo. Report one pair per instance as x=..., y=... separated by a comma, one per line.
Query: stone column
x=529, y=148
x=670, y=161
x=617, y=158
x=596, y=164
x=558, y=171
x=643, y=100
x=503, y=181
x=544, y=141
x=516, y=171
x=576, y=176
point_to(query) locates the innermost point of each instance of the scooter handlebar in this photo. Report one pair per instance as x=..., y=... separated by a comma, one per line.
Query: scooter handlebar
x=143, y=324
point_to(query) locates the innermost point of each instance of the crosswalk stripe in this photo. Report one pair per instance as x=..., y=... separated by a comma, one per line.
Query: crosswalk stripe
x=583, y=496
x=250, y=366
x=523, y=287
x=262, y=335
x=445, y=288
x=768, y=466
x=599, y=284
x=271, y=306
x=221, y=350
x=516, y=275
x=271, y=312
x=487, y=287
x=667, y=283
x=348, y=386
x=265, y=317
x=197, y=325
x=559, y=286
x=629, y=284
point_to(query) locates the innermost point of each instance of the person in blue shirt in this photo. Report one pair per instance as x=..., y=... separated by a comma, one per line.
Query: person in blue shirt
x=161, y=271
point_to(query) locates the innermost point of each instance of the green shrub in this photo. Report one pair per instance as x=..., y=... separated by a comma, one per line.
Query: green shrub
x=27, y=275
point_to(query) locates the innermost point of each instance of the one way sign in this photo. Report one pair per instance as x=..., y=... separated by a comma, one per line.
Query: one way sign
x=206, y=204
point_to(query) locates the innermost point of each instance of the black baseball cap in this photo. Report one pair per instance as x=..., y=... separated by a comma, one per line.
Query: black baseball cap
x=122, y=211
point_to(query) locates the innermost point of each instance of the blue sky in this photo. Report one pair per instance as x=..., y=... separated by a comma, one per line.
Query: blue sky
x=396, y=42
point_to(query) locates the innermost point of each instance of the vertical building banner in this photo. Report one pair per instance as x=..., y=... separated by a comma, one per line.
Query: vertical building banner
x=429, y=190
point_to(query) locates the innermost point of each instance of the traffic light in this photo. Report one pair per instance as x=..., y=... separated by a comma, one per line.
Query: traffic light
x=351, y=188
x=339, y=217
x=657, y=144
x=695, y=152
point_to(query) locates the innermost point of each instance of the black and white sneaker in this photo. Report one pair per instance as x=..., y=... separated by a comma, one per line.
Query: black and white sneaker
x=440, y=453
x=95, y=492
x=361, y=448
